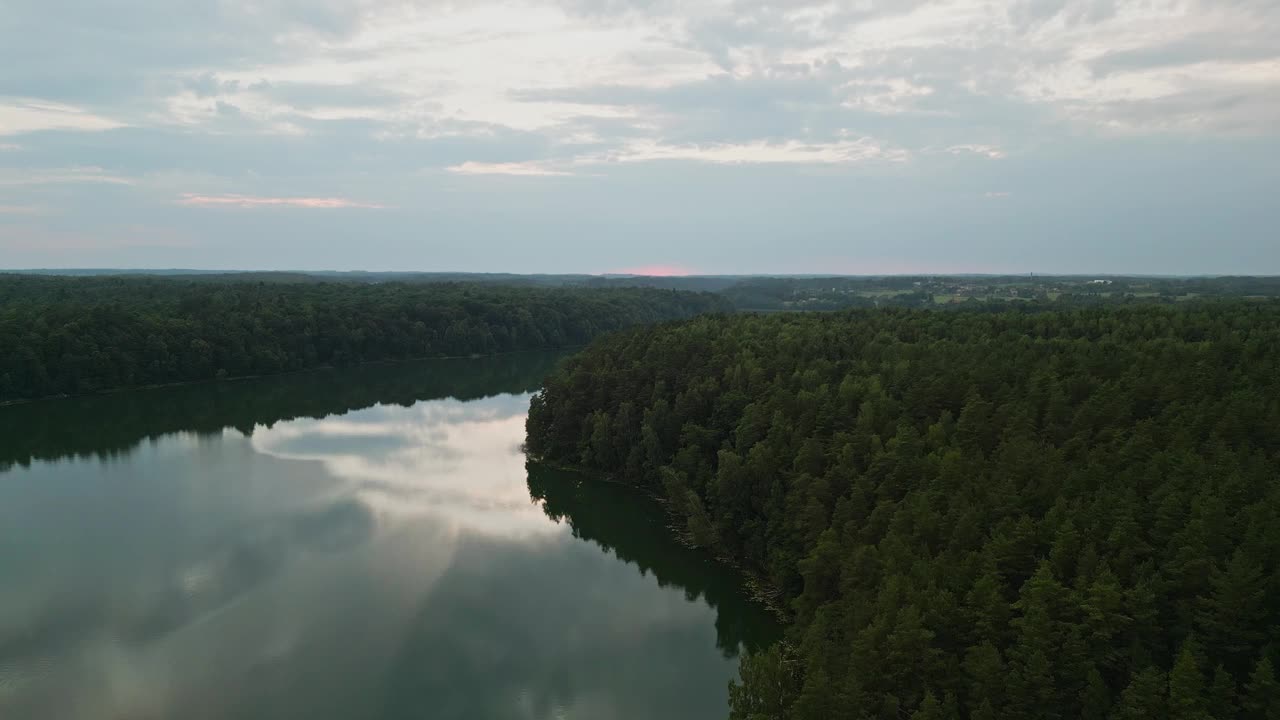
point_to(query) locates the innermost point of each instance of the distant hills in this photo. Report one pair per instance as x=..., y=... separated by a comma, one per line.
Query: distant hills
x=789, y=292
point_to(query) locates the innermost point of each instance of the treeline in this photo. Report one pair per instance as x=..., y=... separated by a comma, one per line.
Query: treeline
x=68, y=336
x=1069, y=514
x=1037, y=292
x=113, y=424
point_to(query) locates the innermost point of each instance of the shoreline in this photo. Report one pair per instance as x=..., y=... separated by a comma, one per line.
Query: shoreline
x=757, y=587
x=288, y=373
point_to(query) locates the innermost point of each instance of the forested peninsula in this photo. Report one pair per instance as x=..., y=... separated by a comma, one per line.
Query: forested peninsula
x=113, y=424
x=71, y=336
x=1013, y=515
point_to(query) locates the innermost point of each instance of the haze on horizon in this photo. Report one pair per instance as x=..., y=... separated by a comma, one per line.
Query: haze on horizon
x=734, y=136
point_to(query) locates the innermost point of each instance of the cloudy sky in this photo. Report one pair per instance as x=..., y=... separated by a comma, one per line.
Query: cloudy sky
x=718, y=136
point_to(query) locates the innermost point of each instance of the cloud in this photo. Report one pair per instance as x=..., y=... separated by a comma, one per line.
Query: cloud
x=523, y=169
x=1211, y=108
x=888, y=95
x=538, y=65
x=680, y=109
x=1192, y=49
x=737, y=72
x=9, y=147
x=761, y=152
x=250, y=201
x=24, y=115
x=997, y=195
x=1157, y=68
x=988, y=151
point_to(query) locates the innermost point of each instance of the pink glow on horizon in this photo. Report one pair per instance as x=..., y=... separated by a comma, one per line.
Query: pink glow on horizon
x=250, y=201
x=655, y=271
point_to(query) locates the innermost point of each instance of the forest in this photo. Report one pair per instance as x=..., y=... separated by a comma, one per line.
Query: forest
x=1007, y=515
x=71, y=336
x=806, y=292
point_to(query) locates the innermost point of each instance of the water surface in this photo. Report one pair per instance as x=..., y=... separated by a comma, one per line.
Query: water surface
x=365, y=543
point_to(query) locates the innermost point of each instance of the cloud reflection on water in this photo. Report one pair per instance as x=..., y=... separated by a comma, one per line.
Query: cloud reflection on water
x=199, y=547
x=458, y=461
x=383, y=563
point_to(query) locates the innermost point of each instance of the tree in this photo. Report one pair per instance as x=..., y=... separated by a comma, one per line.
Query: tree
x=1222, y=695
x=985, y=711
x=1024, y=511
x=1036, y=681
x=1262, y=693
x=768, y=686
x=1186, y=687
x=1095, y=700
x=83, y=335
x=1232, y=617
x=1143, y=699
x=930, y=709
x=986, y=674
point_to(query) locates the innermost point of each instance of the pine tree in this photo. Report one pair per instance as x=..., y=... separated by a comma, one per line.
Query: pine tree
x=816, y=697
x=1232, y=616
x=1065, y=551
x=950, y=707
x=1031, y=690
x=1186, y=687
x=1087, y=471
x=1262, y=693
x=986, y=610
x=930, y=709
x=985, y=711
x=1105, y=618
x=1222, y=695
x=1143, y=699
x=1095, y=700
x=1036, y=659
x=907, y=648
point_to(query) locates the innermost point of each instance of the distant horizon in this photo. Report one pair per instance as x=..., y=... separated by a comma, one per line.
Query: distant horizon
x=610, y=274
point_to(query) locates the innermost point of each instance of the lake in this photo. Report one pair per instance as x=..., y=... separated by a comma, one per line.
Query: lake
x=360, y=543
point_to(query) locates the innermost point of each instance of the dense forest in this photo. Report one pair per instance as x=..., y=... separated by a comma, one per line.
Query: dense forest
x=1012, y=515
x=67, y=336
x=806, y=292
x=922, y=291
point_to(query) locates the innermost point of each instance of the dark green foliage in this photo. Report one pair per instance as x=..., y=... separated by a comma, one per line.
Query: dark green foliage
x=1187, y=687
x=70, y=336
x=841, y=293
x=1144, y=698
x=1222, y=696
x=973, y=514
x=768, y=688
x=1262, y=693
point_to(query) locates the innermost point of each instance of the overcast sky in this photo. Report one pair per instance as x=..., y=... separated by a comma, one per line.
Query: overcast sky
x=715, y=136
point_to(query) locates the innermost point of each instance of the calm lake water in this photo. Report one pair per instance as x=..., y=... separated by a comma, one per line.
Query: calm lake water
x=353, y=544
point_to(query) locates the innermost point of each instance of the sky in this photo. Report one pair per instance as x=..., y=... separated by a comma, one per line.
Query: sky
x=718, y=136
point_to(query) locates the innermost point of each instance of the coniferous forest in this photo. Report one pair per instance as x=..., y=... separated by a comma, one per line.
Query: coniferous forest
x=69, y=336
x=991, y=515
